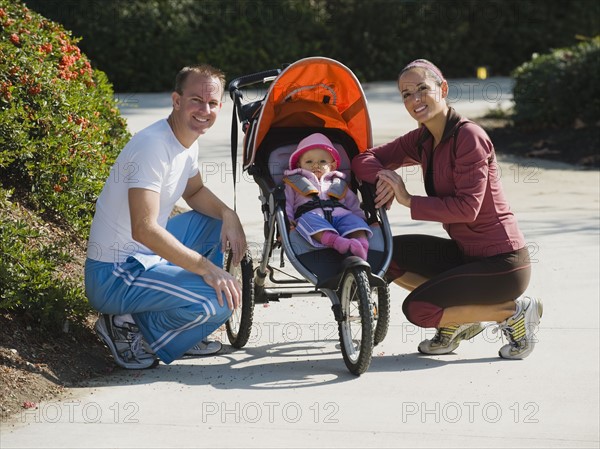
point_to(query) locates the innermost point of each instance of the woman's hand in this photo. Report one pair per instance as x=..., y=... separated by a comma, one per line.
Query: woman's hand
x=389, y=186
x=384, y=194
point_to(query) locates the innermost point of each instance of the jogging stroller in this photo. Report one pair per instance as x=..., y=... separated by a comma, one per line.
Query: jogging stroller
x=311, y=95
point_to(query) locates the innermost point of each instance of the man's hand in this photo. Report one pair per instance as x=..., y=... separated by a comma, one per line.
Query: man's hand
x=225, y=285
x=233, y=236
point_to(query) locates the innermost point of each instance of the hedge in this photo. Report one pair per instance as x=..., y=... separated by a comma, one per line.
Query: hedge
x=141, y=43
x=60, y=132
x=558, y=88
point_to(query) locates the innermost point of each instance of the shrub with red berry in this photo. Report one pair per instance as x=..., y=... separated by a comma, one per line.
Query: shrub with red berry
x=60, y=131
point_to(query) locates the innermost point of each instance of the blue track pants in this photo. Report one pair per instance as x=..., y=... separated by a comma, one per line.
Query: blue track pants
x=174, y=308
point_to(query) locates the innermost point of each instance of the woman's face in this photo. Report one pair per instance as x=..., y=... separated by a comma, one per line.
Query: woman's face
x=423, y=97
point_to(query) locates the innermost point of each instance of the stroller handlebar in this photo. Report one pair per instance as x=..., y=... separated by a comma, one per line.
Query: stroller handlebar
x=254, y=78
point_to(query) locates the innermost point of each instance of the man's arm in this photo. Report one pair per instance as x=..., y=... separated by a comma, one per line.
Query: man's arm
x=201, y=199
x=143, y=209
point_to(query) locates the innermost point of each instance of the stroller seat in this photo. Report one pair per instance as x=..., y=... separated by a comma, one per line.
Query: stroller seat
x=323, y=262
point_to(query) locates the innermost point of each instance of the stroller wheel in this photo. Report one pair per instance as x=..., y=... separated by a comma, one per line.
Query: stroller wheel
x=239, y=325
x=356, y=327
x=380, y=298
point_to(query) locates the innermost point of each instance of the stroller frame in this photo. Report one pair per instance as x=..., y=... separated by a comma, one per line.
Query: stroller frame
x=355, y=287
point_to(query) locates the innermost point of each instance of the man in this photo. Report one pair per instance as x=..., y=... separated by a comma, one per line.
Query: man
x=159, y=282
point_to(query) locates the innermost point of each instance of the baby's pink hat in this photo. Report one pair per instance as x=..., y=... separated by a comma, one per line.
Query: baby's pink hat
x=316, y=140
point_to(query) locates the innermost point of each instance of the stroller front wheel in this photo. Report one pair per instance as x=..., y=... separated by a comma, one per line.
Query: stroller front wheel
x=381, y=312
x=356, y=326
x=239, y=325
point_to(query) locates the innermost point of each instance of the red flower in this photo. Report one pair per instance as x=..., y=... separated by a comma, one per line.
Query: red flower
x=65, y=61
x=5, y=90
x=14, y=38
x=58, y=188
x=34, y=90
x=82, y=121
x=46, y=48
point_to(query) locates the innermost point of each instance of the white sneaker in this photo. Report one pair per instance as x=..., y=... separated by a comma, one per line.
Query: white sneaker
x=447, y=339
x=520, y=329
x=204, y=348
x=125, y=343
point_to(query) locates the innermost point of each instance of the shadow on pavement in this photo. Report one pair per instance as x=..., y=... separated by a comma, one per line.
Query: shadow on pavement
x=276, y=367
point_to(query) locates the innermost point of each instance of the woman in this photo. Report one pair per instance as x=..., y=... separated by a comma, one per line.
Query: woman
x=481, y=271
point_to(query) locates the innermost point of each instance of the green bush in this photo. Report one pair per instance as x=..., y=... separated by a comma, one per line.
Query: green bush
x=33, y=267
x=140, y=44
x=60, y=129
x=60, y=132
x=558, y=88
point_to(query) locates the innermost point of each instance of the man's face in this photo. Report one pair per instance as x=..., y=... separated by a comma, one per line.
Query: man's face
x=199, y=103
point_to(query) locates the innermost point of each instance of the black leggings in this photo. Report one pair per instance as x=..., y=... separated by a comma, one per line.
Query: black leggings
x=453, y=278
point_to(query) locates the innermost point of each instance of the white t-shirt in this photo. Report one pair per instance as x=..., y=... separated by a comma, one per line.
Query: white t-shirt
x=155, y=160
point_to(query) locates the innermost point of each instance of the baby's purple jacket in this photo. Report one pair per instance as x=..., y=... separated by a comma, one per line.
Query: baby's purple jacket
x=294, y=199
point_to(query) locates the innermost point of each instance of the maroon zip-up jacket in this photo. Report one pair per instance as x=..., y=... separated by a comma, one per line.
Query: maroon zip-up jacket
x=463, y=187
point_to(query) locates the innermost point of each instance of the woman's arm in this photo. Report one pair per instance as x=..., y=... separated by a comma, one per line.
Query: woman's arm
x=470, y=176
x=391, y=156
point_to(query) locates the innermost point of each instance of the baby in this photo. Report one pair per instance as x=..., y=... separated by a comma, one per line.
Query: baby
x=319, y=202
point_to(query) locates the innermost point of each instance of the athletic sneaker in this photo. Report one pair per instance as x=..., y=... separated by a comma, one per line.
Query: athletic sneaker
x=447, y=339
x=125, y=343
x=204, y=348
x=520, y=329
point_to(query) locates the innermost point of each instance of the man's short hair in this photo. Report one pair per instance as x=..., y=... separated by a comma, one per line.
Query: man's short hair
x=200, y=69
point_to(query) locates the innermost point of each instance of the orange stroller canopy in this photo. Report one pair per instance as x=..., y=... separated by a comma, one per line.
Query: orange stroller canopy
x=313, y=92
